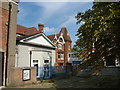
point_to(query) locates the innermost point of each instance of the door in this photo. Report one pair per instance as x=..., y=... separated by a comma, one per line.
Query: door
x=1, y=67
x=35, y=64
x=46, y=69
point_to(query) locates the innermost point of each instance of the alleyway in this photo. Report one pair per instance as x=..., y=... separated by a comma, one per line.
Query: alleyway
x=78, y=82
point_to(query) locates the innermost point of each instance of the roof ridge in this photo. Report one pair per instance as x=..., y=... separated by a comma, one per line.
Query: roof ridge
x=53, y=34
x=27, y=27
x=22, y=26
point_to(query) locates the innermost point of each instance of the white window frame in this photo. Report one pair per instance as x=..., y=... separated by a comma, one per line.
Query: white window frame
x=59, y=46
x=69, y=47
x=61, y=56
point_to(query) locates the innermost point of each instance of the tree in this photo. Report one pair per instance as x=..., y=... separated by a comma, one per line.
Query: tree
x=101, y=28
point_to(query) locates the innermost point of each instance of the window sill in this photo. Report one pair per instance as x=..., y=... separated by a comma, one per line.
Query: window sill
x=61, y=59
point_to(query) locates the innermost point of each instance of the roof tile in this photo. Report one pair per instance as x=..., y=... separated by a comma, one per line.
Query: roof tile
x=26, y=31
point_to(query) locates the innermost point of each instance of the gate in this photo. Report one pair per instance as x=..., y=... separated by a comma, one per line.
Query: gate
x=1, y=67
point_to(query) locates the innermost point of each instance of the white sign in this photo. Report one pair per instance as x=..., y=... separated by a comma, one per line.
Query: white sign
x=26, y=74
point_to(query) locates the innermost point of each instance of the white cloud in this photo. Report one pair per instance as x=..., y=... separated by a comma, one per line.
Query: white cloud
x=69, y=21
x=22, y=13
x=57, y=0
x=49, y=30
x=49, y=9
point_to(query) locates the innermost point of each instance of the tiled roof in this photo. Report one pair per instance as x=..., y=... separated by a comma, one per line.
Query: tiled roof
x=32, y=30
x=51, y=37
x=65, y=35
x=26, y=31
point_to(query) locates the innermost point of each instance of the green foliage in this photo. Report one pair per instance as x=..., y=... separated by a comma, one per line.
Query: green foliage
x=101, y=27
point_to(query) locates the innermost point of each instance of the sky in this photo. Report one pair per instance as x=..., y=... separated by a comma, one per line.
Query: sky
x=54, y=15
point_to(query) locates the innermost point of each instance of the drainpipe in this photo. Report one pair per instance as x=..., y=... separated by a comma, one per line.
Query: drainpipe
x=64, y=55
x=30, y=57
x=7, y=43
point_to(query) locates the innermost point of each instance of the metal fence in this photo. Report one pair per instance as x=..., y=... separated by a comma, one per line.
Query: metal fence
x=62, y=70
x=54, y=72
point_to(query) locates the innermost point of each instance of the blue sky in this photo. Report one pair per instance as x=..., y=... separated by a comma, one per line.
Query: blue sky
x=53, y=15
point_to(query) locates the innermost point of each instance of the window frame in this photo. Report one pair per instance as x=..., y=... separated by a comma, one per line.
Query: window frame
x=59, y=46
x=61, y=56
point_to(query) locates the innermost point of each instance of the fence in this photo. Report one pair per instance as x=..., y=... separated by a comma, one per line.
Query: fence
x=62, y=70
x=53, y=72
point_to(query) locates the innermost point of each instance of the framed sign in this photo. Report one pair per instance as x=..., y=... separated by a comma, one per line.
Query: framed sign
x=26, y=74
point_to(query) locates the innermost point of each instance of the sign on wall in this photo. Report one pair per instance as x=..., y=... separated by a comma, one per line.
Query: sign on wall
x=26, y=74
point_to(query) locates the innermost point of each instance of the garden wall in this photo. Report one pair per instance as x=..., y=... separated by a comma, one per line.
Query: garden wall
x=22, y=76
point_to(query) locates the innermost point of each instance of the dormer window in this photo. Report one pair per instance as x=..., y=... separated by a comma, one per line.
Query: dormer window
x=60, y=40
x=59, y=46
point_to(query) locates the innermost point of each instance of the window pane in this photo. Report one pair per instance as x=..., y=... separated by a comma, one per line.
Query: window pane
x=35, y=61
x=59, y=46
x=58, y=55
x=46, y=61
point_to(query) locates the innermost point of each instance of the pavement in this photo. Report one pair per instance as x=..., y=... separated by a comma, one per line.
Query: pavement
x=1, y=87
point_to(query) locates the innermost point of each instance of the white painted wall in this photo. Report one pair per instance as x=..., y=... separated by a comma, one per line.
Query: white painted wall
x=40, y=40
x=23, y=55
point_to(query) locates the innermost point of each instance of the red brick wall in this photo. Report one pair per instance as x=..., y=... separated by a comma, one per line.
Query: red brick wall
x=3, y=34
x=17, y=76
x=3, y=29
x=66, y=51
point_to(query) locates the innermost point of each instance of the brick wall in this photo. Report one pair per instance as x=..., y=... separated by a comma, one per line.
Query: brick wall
x=65, y=48
x=3, y=29
x=3, y=35
x=17, y=76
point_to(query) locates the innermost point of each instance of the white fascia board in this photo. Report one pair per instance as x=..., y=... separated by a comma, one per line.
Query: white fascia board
x=61, y=36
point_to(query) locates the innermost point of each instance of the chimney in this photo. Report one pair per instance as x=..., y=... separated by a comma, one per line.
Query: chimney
x=41, y=28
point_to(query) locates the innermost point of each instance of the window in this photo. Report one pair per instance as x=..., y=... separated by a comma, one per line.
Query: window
x=46, y=68
x=117, y=62
x=35, y=61
x=60, y=56
x=59, y=46
x=46, y=61
x=60, y=40
x=69, y=47
x=69, y=55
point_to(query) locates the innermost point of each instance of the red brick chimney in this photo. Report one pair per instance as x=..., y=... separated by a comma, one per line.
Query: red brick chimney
x=41, y=28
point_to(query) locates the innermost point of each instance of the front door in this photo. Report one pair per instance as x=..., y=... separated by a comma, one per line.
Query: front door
x=46, y=69
x=1, y=67
x=35, y=63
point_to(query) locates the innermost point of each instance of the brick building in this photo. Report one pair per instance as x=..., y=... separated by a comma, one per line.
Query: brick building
x=62, y=41
x=8, y=18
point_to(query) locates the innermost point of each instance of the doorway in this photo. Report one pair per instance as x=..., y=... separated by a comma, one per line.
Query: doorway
x=46, y=69
x=1, y=67
x=35, y=63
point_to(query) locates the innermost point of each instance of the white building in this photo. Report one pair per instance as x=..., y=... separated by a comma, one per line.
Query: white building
x=36, y=51
x=72, y=58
